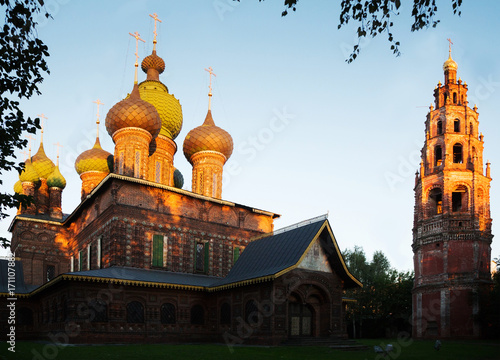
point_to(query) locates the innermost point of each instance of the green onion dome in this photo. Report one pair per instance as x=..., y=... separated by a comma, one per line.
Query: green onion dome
x=133, y=112
x=42, y=164
x=94, y=159
x=208, y=137
x=18, y=187
x=168, y=107
x=29, y=174
x=56, y=179
x=178, y=179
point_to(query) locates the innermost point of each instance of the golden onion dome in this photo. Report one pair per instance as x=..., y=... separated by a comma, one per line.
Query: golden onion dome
x=56, y=179
x=18, y=187
x=133, y=112
x=94, y=159
x=450, y=64
x=208, y=137
x=168, y=107
x=29, y=174
x=153, y=65
x=43, y=165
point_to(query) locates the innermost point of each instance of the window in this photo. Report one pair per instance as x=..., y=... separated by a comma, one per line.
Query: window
x=167, y=313
x=202, y=254
x=236, y=253
x=471, y=129
x=197, y=315
x=137, y=166
x=457, y=154
x=158, y=171
x=80, y=260
x=135, y=312
x=121, y=161
x=98, y=311
x=438, y=156
x=157, y=250
x=51, y=272
x=72, y=264
x=99, y=252
x=456, y=125
x=459, y=199
x=89, y=257
x=435, y=202
x=251, y=313
x=225, y=314
x=454, y=98
x=439, y=127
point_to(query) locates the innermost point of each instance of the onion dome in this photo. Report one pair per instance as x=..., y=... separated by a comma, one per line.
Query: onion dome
x=56, y=179
x=95, y=159
x=18, y=187
x=208, y=137
x=168, y=107
x=42, y=164
x=133, y=112
x=178, y=179
x=153, y=65
x=450, y=64
x=29, y=173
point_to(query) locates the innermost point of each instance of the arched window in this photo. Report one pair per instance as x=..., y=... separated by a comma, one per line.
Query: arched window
x=225, y=314
x=135, y=312
x=459, y=201
x=197, y=315
x=435, y=203
x=454, y=98
x=445, y=97
x=457, y=154
x=456, y=125
x=167, y=313
x=439, y=127
x=251, y=313
x=98, y=310
x=438, y=156
x=24, y=317
x=471, y=129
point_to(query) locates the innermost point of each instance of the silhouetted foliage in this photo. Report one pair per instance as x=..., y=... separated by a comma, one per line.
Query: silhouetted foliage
x=22, y=65
x=377, y=16
x=383, y=305
x=490, y=307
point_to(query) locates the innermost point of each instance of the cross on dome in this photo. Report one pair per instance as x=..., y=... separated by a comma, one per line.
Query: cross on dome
x=43, y=117
x=155, y=17
x=211, y=72
x=449, y=46
x=98, y=102
x=58, y=147
x=30, y=139
x=136, y=35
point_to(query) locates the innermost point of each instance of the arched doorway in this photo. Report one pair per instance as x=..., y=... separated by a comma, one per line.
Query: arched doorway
x=301, y=319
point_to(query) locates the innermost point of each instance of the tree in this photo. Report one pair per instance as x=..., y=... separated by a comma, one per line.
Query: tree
x=377, y=16
x=384, y=302
x=22, y=65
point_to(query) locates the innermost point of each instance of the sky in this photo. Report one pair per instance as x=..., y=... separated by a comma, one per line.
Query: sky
x=313, y=135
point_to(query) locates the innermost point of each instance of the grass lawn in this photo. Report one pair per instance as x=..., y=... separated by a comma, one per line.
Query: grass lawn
x=408, y=349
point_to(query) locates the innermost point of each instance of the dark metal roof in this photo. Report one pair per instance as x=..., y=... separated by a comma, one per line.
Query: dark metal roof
x=272, y=254
x=17, y=275
x=148, y=275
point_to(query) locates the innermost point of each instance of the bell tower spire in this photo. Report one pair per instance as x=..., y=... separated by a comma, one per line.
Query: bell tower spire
x=452, y=223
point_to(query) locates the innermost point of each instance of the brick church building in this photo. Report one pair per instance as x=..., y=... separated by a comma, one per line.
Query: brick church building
x=452, y=223
x=140, y=259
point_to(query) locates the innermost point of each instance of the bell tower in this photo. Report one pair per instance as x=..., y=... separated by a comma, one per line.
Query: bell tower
x=452, y=223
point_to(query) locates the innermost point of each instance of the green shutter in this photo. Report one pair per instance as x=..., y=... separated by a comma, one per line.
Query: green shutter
x=236, y=253
x=80, y=260
x=207, y=249
x=157, y=250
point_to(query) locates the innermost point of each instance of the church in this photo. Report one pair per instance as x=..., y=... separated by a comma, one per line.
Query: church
x=141, y=259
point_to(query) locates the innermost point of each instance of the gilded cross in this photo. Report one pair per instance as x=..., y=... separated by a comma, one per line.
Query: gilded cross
x=449, y=48
x=25, y=154
x=30, y=139
x=98, y=102
x=58, y=146
x=211, y=72
x=43, y=117
x=137, y=38
x=155, y=17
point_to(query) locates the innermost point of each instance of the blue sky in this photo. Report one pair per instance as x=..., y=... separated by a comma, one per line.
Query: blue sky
x=312, y=133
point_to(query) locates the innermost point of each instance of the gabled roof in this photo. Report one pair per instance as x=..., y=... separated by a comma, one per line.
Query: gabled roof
x=274, y=255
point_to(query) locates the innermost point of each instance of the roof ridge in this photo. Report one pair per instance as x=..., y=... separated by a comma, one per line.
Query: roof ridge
x=301, y=224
